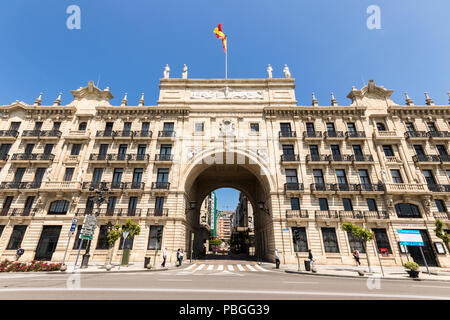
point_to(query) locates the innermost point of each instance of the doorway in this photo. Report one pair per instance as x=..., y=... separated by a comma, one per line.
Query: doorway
x=47, y=243
x=428, y=251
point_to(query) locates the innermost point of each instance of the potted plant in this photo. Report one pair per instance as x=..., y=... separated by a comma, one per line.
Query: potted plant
x=413, y=269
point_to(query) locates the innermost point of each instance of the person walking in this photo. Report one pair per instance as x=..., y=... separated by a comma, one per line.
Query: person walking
x=311, y=259
x=178, y=257
x=356, y=256
x=277, y=259
x=181, y=255
x=163, y=264
x=19, y=253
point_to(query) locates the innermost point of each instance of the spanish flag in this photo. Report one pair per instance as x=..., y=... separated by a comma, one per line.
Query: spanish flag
x=219, y=34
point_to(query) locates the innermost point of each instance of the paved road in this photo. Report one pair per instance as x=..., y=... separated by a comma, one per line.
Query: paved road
x=200, y=283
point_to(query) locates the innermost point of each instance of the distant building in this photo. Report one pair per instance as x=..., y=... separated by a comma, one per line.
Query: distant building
x=224, y=225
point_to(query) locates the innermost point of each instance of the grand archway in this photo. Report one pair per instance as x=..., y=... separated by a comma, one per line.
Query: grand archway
x=235, y=170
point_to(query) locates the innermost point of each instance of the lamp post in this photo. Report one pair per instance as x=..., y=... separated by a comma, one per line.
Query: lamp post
x=99, y=199
x=296, y=248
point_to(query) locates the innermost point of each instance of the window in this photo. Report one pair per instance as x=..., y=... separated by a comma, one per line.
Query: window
x=7, y=204
x=300, y=240
x=89, y=204
x=117, y=176
x=448, y=174
x=431, y=126
x=168, y=126
x=396, y=176
x=199, y=126
x=410, y=126
x=38, y=125
x=103, y=149
x=137, y=176
x=82, y=126
x=288, y=149
x=347, y=203
x=29, y=148
x=141, y=149
x=132, y=205
x=381, y=126
x=341, y=178
x=122, y=152
x=407, y=210
x=440, y=204
x=364, y=177
x=163, y=175
x=285, y=127
x=4, y=148
x=330, y=240
x=429, y=177
x=159, y=206
x=355, y=243
x=97, y=176
x=16, y=237
x=59, y=207
x=77, y=242
x=109, y=126
x=18, y=175
x=323, y=204
x=382, y=239
x=39, y=174
x=76, y=148
x=15, y=126
x=318, y=177
x=419, y=150
x=153, y=237
x=330, y=127
x=28, y=204
x=442, y=150
x=127, y=127
x=357, y=150
x=254, y=127
x=111, y=205
x=68, y=175
x=372, y=204
x=48, y=148
x=56, y=125
x=388, y=151
x=291, y=175
x=351, y=127
x=166, y=149
x=314, y=150
x=2, y=227
x=335, y=151
x=295, y=204
x=102, y=242
x=310, y=127
x=145, y=126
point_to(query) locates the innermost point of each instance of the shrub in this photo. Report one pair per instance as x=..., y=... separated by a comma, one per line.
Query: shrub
x=411, y=266
x=215, y=242
x=11, y=266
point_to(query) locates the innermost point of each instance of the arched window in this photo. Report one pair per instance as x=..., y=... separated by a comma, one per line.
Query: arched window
x=82, y=126
x=381, y=126
x=59, y=207
x=407, y=210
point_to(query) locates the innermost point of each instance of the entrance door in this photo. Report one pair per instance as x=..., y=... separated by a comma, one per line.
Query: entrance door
x=428, y=252
x=47, y=243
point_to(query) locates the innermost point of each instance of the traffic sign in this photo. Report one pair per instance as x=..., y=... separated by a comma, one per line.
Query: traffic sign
x=85, y=237
x=410, y=237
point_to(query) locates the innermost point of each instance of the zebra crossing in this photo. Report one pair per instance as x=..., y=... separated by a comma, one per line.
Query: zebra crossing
x=220, y=267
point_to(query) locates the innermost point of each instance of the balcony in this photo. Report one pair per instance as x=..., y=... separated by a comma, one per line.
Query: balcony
x=328, y=215
x=20, y=185
x=107, y=212
x=41, y=134
x=119, y=158
x=22, y=212
x=293, y=187
x=95, y=185
x=138, y=158
x=133, y=186
x=4, y=157
x=445, y=159
x=318, y=158
x=362, y=159
x=371, y=188
x=287, y=135
x=347, y=188
x=72, y=159
x=312, y=135
x=442, y=216
x=152, y=212
x=351, y=215
x=32, y=157
x=439, y=135
x=142, y=135
x=439, y=188
x=123, y=135
x=341, y=158
x=104, y=134
x=166, y=135
x=406, y=188
x=8, y=134
x=161, y=185
x=163, y=157
x=297, y=214
x=61, y=186
x=77, y=135
x=292, y=158
x=392, y=159
x=334, y=135
x=386, y=136
x=426, y=159
x=325, y=188
x=416, y=135
x=355, y=135
x=376, y=215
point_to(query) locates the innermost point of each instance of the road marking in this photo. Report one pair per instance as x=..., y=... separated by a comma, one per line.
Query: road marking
x=230, y=267
x=441, y=287
x=190, y=267
x=200, y=267
x=210, y=267
x=220, y=268
x=261, y=268
x=300, y=282
x=241, y=268
x=231, y=291
x=250, y=267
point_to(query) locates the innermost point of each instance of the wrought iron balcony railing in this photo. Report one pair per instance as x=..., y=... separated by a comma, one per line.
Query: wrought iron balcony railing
x=133, y=185
x=426, y=158
x=42, y=133
x=355, y=134
x=323, y=187
x=297, y=214
x=363, y=158
x=347, y=187
x=161, y=185
x=376, y=215
x=439, y=187
x=287, y=134
x=317, y=157
x=341, y=157
x=21, y=185
x=293, y=186
x=355, y=214
x=331, y=214
x=290, y=158
x=439, y=134
x=312, y=134
x=9, y=133
x=334, y=134
x=416, y=134
x=444, y=158
x=4, y=156
x=163, y=157
x=138, y=157
x=441, y=215
x=142, y=134
x=32, y=157
x=166, y=134
x=18, y=212
x=371, y=187
x=153, y=212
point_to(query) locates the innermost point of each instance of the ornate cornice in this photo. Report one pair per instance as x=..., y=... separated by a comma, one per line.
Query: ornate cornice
x=92, y=90
x=304, y=111
x=400, y=111
x=142, y=111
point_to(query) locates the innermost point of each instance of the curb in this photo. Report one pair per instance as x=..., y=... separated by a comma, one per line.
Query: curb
x=361, y=277
x=107, y=272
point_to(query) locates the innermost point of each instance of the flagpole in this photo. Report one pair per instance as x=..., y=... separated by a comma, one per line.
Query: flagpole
x=226, y=61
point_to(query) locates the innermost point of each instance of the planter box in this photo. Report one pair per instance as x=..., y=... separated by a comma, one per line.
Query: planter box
x=413, y=273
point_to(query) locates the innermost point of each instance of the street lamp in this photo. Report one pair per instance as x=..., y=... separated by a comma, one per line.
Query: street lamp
x=262, y=207
x=98, y=199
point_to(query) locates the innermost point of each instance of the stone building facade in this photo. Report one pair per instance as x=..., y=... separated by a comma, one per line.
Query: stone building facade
x=304, y=169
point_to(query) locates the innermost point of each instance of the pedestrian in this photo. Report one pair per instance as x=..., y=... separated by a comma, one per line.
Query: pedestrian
x=311, y=259
x=19, y=253
x=277, y=259
x=178, y=257
x=163, y=264
x=181, y=255
x=356, y=256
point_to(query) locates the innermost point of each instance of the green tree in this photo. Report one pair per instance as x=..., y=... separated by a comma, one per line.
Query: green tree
x=117, y=232
x=440, y=233
x=363, y=234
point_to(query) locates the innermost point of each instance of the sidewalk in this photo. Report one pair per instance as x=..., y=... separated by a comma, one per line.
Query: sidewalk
x=394, y=273
x=99, y=268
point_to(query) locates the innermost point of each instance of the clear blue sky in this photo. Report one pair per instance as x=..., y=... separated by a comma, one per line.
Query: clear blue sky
x=227, y=199
x=325, y=43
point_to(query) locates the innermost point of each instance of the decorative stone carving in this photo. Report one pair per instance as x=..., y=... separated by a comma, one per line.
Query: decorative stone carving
x=166, y=72
x=269, y=71
x=420, y=176
x=47, y=174
x=226, y=128
x=427, y=205
x=287, y=73
x=185, y=72
x=80, y=174
x=226, y=93
x=384, y=176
